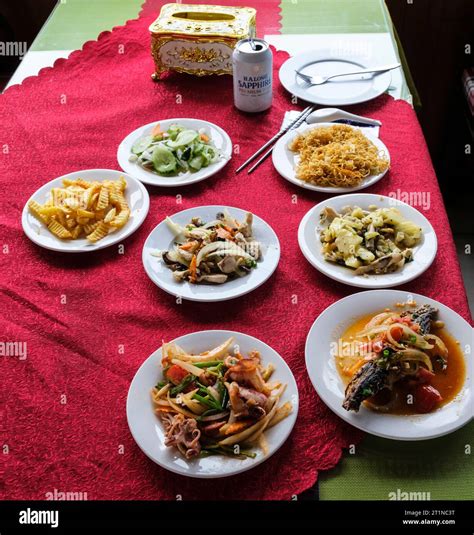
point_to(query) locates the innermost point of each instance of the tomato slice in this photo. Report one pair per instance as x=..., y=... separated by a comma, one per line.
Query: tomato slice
x=424, y=376
x=377, y=346
x=176, y=374
x=426, y=398
x=396, y=333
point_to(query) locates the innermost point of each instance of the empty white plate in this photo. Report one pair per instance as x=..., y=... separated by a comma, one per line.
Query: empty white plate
x=147, y=430
x=161, y=239
x=321, y=366
x=135, y=193
x=285, y=160
x=342, y=91
x=423, y=254
x=219, y=138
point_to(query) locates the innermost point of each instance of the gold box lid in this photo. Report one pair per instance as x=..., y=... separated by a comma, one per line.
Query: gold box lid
x=204, y=20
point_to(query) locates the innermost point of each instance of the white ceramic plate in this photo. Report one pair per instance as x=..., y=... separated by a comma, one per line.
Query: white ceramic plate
x=135, y=193
x=310, y=245
x=147, y=430
x=161, y=239
x=219, y=137
x=342, y=91
x=321, y=366
x=285, y=160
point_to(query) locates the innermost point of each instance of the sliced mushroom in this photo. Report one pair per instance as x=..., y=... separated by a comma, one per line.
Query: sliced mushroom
x=215, y=278
x=228, y=264
x=197, y=233
x=381, y=265
x=186, y=255
x=180, y=275
x=328, y=215
x=204, y=267
x=246, y=228
x=370, y=243
x=197, y=221
x=168, y=260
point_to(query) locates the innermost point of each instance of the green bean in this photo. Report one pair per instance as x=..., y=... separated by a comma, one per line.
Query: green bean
x=210, y=364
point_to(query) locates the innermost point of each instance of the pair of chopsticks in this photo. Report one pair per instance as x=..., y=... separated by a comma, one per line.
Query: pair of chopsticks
x=294, y=124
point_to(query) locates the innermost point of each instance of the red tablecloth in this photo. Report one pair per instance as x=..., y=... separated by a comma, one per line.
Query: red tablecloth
x=65, y=403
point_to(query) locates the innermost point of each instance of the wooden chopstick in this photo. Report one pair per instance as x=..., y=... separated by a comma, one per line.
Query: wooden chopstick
x=276, y=137
x=299, y=120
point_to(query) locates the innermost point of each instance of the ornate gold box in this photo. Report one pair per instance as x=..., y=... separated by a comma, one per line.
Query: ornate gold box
x=199, y=39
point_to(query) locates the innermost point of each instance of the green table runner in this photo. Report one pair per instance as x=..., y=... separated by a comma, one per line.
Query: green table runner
x=381, y=469
x=334, y=16
x=73, y=22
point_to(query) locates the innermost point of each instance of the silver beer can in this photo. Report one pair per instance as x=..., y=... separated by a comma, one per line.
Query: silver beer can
x=252, y=62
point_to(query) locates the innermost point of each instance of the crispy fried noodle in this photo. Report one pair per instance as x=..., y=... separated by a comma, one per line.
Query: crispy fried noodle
x=336, y=156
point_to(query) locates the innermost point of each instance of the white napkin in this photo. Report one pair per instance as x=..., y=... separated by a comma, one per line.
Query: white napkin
x=369, y=131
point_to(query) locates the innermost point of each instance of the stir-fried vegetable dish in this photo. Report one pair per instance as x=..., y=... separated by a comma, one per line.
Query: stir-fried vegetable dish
x=376, y=241
x=176, y=150
x=214, y=251
x=218, y=401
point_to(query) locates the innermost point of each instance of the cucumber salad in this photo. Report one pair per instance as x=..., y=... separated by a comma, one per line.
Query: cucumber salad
x=176, y=150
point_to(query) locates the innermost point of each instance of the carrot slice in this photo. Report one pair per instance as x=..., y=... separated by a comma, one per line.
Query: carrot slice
x=189, y=245
x=192, y=269
x=156, y=131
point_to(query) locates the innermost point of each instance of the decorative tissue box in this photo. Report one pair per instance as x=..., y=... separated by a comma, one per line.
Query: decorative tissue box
x=199, y=39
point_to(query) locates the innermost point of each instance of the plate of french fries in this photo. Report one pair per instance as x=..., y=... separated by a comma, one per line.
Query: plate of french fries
x=85, y=211
x=212, y=404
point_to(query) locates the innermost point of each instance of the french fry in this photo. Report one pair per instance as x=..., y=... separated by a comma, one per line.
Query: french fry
x=83, y=208
x=103, y=200
x=76, y=232
x=100, y=232
x=89, y=228
x=121, y=219
x=35, y=209
x=85, y=213
x=110, y=216
x=58, y=230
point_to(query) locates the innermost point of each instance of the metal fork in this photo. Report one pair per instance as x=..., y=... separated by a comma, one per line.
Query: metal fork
x=319, y=80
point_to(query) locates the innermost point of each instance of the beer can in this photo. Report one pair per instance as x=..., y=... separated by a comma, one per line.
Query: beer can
x=252, y=62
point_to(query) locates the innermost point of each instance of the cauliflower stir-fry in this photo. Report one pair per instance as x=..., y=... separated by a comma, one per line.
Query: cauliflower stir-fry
x=378, y=240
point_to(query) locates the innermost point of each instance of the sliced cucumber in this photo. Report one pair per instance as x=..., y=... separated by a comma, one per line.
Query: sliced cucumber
x=208, y=155
x=141, y=144
x=164, y=160
x=198, y=148
x=173, y=131
x=185, y=137
x=195, y=163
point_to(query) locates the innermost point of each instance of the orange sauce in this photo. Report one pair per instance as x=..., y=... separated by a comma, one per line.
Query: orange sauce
x=448, y=382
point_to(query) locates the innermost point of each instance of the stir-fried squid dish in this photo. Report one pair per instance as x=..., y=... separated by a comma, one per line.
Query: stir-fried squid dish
x=375, y=241
x=217, y=402
x=212, y=252
x=396, y=364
